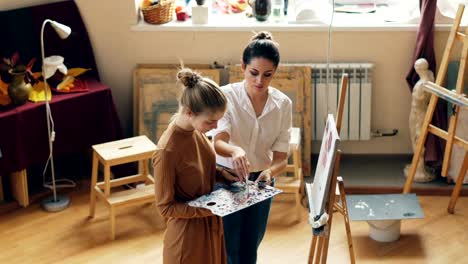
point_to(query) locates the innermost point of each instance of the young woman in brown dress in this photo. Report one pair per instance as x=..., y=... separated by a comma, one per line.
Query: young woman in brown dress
x=185, y=168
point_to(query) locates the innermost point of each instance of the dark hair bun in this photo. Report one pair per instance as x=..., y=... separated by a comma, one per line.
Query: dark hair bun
x=262, y=35
x=188, y=77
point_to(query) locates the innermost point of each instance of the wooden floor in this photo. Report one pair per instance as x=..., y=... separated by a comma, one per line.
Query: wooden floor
x=32, y=235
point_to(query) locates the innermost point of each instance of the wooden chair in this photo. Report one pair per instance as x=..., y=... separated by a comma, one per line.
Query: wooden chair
x=295, y=183
x=136, y=149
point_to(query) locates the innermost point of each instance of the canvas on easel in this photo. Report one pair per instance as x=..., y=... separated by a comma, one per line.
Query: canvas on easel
x=318, y=191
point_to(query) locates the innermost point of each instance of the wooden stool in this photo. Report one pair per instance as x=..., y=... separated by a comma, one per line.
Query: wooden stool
x=136, y=149
x=294, y=184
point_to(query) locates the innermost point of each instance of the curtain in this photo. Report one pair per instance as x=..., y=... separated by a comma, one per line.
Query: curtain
x=425, y=49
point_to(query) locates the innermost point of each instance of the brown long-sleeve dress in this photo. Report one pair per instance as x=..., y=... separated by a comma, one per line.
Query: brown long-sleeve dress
x=184, y=169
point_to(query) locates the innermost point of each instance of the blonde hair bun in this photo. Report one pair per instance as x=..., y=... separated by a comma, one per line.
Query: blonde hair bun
x=188, y=77
x=262, y=35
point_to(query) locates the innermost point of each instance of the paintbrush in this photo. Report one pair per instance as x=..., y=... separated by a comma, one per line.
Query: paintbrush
x=246, y=196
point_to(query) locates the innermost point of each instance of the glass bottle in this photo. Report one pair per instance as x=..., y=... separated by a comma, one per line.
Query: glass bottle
x=277, y=10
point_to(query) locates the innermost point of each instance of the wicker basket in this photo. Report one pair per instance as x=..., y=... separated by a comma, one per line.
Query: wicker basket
x=160, y=13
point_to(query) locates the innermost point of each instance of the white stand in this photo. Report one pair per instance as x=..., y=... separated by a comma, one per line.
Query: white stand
x=200, y=14
x=384, y=230
x=54, y=203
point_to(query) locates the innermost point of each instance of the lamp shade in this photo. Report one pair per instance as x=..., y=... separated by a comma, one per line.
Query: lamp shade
x=62, y=30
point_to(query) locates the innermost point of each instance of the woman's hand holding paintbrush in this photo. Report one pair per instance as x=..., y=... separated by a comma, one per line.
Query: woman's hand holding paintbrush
x=241, y=164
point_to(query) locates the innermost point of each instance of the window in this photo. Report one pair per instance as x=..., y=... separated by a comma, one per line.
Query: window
x=302, y=15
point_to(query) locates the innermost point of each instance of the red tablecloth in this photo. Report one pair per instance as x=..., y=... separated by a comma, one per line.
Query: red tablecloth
x=81, y=120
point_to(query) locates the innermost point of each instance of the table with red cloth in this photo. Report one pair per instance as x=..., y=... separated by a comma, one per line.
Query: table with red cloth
x=81, y=120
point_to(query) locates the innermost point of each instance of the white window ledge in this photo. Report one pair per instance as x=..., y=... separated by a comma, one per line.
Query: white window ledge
x=239, y=22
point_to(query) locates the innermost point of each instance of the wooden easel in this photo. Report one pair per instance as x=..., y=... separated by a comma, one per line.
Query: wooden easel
x=319, y=245
x=340, y=192
x=456, y=98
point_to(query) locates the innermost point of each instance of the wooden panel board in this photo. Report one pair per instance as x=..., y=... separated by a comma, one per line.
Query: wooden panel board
x=294, y=81
x=155, y=96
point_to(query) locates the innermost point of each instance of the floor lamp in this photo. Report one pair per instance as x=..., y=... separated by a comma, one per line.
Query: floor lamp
x=54, y=203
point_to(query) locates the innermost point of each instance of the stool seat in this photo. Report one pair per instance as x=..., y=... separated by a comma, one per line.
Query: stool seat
x=293, y=184
x=125, y=150
x=136, y=149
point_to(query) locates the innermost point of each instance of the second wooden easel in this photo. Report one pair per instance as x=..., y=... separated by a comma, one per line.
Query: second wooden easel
x=457, y=99
x=337, y=198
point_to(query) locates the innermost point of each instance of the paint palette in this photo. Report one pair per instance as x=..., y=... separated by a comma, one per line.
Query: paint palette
x=225, y=201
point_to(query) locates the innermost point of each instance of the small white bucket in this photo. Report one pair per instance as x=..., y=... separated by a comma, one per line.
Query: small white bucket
x=384, y=230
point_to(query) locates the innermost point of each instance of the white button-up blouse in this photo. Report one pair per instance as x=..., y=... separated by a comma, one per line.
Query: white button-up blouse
x=257, y=136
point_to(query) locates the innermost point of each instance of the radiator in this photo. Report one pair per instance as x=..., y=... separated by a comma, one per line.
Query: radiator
x=356, y=123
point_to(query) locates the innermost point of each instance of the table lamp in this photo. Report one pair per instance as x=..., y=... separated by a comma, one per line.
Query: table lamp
x=56, y=202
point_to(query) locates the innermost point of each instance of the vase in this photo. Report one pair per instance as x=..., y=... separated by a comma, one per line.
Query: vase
x=262, y=9
x=18, y=89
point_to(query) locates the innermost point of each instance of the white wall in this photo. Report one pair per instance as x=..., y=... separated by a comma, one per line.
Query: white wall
x=118, y=49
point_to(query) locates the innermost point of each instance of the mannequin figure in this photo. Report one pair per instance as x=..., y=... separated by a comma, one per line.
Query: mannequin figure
x=419, y=103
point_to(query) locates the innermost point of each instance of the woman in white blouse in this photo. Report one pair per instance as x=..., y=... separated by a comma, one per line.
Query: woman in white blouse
x=253, y=138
